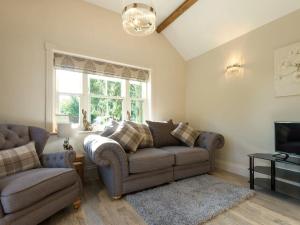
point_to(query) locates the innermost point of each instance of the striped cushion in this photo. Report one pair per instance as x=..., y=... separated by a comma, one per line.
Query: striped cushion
x=18, y=159
x=143, y=129
x=186, y=134
x=128, y=137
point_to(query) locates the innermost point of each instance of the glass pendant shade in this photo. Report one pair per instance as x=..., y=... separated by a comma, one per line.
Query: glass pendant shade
x=139, y=19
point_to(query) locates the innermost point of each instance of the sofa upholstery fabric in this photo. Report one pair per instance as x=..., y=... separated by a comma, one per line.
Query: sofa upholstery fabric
x=58, y=159
x=18, y=159
x=150, y=159
x=187, y=155
x=48, y=206
x=33, y=186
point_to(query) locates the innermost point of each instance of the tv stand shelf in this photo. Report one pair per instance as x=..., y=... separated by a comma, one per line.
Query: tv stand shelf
x=289, y=182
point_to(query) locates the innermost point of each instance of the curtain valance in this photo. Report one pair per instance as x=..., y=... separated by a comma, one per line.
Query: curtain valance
x=74, y=63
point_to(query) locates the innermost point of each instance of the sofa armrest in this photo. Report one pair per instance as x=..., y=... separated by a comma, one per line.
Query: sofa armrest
x=106, y=152
x=211, y=142
x=63, y=159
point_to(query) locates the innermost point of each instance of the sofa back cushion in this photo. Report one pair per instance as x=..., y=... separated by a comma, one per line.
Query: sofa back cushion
x=18, y=159
x=161, y=133
x=147, y=141
x=128, y=137
x=186, y=134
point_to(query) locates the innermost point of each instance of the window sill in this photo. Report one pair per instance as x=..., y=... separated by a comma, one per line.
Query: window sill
x=81, y=132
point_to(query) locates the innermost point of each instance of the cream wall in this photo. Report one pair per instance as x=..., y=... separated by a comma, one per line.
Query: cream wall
x=84, y=29
x=242, y=109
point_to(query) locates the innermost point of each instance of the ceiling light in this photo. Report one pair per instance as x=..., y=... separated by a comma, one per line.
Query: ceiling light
x=139, y=19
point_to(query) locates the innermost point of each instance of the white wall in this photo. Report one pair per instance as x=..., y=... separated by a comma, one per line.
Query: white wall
x=242, y=109
x=84, y=29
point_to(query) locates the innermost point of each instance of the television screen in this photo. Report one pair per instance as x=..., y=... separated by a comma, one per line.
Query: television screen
x=287, y=137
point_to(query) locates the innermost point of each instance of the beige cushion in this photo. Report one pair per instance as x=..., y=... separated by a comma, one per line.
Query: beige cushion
x=186, y=134
x=149, y=159
x=187, y=155
x=128, y=137
x=143, y=129
x=18, y=159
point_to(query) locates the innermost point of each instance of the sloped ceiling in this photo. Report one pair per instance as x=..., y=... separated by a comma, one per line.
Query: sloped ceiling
x=211, y=23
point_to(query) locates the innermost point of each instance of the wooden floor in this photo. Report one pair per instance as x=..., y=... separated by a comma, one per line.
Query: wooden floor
x=98, y=209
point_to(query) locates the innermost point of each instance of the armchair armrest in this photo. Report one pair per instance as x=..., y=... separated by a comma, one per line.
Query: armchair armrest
x=106, y=152
x=211, y=142
x=63, y=159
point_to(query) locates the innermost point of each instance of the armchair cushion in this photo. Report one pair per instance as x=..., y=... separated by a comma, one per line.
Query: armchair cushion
x=18, y=159
x=63, y=159
x=32, y=186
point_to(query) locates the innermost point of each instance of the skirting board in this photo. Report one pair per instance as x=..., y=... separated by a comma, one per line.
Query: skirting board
x=233, y=168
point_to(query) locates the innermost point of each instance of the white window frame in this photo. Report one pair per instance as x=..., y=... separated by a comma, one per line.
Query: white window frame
x=51, y=107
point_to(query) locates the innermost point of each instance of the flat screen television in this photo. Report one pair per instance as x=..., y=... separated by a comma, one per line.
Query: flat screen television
x=287, y=137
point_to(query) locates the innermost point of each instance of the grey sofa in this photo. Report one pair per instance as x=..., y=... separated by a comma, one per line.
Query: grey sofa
x=29, y=197
x=123, y=173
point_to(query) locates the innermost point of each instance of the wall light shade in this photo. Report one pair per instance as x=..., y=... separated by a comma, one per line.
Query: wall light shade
x=139, y=19
x=234, y=70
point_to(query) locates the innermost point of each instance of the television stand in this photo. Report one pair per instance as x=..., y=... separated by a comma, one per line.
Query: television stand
x=281, y=180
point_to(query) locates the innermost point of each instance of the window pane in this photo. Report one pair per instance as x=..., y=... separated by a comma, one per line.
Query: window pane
x=69, y=105
x=137, y=111
x=114, y=88
x=98, y=110
x=97, y=87
x=68, y=82
x=135, y=90
x=115, y=109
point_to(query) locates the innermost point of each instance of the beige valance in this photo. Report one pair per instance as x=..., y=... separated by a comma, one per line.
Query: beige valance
x=74, y=63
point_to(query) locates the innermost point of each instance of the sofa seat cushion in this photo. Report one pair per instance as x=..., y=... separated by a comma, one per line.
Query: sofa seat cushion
x=23, y=189
x=187, y=155
x=150, y=159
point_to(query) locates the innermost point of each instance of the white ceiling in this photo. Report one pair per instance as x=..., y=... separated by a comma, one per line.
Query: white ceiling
x=211, y=23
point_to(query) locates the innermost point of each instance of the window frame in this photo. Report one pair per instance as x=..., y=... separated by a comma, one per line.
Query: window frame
x=85, y=96
x=50, y=85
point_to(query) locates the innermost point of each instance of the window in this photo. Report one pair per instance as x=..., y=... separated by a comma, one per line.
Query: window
x=103, y=97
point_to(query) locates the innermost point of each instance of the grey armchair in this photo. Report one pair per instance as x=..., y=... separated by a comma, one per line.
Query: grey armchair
x=29, y=197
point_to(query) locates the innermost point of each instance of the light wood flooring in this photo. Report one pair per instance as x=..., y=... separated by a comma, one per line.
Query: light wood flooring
x=98, y=209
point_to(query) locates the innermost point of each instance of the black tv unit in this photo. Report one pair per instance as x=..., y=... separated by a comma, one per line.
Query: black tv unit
x=279, y=179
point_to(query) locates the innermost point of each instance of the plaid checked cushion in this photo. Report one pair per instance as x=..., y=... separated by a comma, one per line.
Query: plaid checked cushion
x=143, y=129
x=18, y=159
x=186, y=134
x=128, y=137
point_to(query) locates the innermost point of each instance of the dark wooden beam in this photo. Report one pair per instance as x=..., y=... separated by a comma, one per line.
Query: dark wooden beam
x=174, y=15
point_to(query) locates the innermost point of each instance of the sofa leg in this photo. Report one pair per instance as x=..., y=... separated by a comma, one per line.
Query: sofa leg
x=116, y=197
x=76, y=204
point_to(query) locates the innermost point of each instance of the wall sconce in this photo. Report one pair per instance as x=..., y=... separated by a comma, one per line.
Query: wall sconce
x=234, y=70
